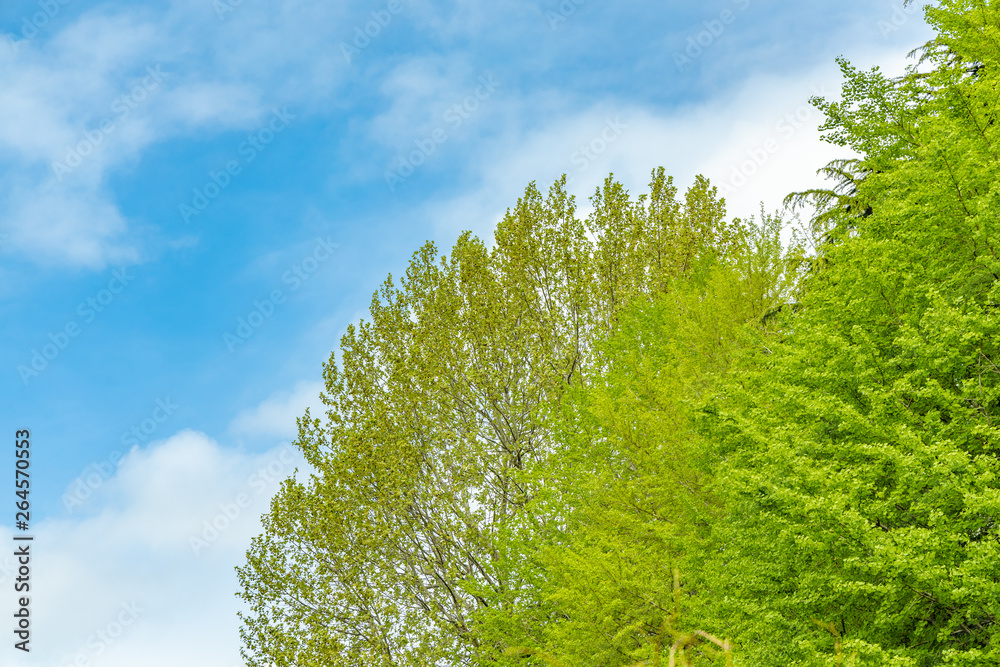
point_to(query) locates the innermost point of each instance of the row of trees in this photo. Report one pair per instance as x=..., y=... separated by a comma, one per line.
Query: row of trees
x=657, y=434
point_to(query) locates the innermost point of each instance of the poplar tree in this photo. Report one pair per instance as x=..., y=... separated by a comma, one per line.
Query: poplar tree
x=435, y=407
x=613, y=543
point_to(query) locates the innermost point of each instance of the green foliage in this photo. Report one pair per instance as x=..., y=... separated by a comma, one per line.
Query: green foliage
x=622, y=498
x=434, y=411
x=613, y=441
x=861, y=457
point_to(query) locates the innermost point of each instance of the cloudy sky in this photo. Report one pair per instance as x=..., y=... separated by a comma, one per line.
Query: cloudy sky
x=198, y=196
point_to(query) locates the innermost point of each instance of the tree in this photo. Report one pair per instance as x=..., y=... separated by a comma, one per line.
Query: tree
x=434, y=409
x=623, y=499
x=861, y=458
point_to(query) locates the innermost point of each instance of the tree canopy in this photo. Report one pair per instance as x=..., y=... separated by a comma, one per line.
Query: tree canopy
x=662, y=435
x=435, y=408
x=863, y=453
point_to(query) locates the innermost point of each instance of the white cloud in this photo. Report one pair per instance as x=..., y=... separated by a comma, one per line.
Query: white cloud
x=72, y=108
x=275, y=417
x=757, y=143
x=58, y=88
x=70, y=224
x=199, y=103
x=167, y=530
x=226, y=72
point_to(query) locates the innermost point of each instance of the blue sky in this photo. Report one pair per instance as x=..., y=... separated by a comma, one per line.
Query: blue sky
x=172, y=169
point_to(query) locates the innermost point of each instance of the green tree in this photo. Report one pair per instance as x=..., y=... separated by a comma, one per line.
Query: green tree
x=433, y=410
x=624, y=499
x=861, y=459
